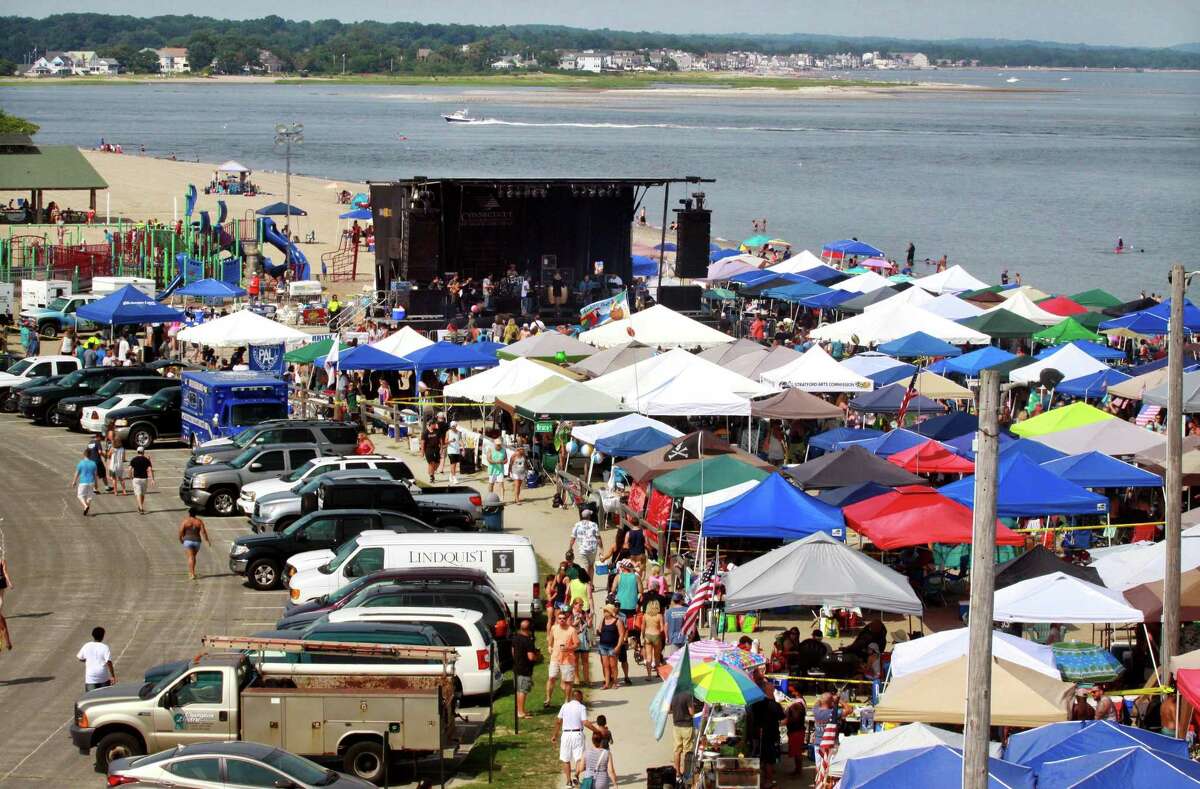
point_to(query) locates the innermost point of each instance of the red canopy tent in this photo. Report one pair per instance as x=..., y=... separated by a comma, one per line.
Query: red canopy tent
x=917, y=515
x=932, y=457
x=1061, y=305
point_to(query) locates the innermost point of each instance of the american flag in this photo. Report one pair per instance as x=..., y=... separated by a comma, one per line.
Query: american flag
x=1148, y=415
x=909, y=394
x=702, y=593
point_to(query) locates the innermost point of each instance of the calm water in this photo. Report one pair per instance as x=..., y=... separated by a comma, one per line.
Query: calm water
x=1036, y=182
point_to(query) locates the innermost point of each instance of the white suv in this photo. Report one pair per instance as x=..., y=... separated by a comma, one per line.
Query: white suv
x=460, y=628
x=317, y=466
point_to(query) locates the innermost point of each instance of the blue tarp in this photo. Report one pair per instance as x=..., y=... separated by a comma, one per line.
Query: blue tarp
x=633, y=442
x=721, y=254
x=366, y=357
x=1035, y=451
x=1026, y=490
x=951, y=425
x=852, y=494
x=887, y=401
x=211, y=289
x=890, y=443
x=970, y=364
x=1097, y=470
x=281, y=209
x=644, y=266
x=126, y=307
x=1124, y=767
x=828, y=300
x=443, y=355
x=851, y=247
x=832, y=439
x=922, y=768
x=357, y=213
x=1093, y=349
x=964, y=444
x=917, y=345
x=1091, y=386
x=1077, y=738
x=774, y=509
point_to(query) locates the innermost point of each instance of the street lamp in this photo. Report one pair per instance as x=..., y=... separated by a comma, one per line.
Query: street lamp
x=288, y=134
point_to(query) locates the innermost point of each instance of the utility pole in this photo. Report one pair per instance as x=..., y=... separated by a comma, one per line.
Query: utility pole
x=288, y=134
x=1174, y=480
x=343, y=64
x=983, y=583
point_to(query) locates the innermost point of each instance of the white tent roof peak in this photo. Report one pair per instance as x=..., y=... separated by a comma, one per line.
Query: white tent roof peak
x=951, y=307
x=243, y=327
x=893, y=321
x=659, y=326
x=233, y=167
x=955, y=279
x=817, y=371
x=916, y=296
x=803, y=261
x=863, y=283
x=909, y=657
x=508, y=378
x=1022, y=305
x=403, y=342
x=1059, y=597
x=590, y=434
x=1068, y=360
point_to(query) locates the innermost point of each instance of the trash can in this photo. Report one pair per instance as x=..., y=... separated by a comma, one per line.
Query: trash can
x=493, y=513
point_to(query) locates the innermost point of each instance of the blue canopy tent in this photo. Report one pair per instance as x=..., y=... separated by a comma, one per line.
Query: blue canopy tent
x=964, y=444
x=879, y=367
x=828, y=300
x=633, y=442
x=1131, y=767
x=823, y=274
x=281, y=209
x=774, y=509
x=838, y=436
x=1035, y=451
x=644, y=266
x=486, y=347
x=951, y=425
x=921, y=768
x=357, y=213
x=852, y=494
x=209, y=288
x=793, y=292
x=1097, y=470
x=918, y=345
x=721, y=254
x=750, y=277
x=126, y=307
x=970, y=364
x=443, y=355
x=888, y=399
x=1026, y=490
x=851, y=248
x=1067, y=739
x=891, y=442
x=667, y=247
x=366, y=357
x=777, y=280
x=1153, y=320
x=1093, y=349
x=1091, y=386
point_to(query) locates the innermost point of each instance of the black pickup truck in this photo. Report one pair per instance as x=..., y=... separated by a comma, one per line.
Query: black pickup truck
x=446, y=508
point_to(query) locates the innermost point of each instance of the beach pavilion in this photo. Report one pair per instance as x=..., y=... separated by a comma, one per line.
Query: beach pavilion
x=26, y=166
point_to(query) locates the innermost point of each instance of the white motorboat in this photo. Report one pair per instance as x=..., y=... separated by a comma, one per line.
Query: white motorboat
x=459, y=116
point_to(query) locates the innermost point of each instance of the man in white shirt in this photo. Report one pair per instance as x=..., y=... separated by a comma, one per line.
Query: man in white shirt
x=98, y=669
x=586, y=541
x=123, y=351
x=572, y=720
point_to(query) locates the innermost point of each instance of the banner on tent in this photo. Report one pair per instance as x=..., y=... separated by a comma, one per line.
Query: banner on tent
x=268, y=358
x=601, y=312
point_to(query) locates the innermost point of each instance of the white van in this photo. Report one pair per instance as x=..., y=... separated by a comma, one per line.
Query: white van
x=508, y=559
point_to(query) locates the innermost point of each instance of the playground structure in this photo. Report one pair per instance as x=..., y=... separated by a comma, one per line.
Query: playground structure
x=192, y=249
x=341, y=264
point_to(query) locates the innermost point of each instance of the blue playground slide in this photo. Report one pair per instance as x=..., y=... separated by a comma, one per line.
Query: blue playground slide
x=295, y=258
x=172, y=286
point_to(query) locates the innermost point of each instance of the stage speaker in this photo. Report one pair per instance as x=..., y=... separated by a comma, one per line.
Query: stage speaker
x=424, y=246
x=681, y=298
x=693, y=228
x=426, y=302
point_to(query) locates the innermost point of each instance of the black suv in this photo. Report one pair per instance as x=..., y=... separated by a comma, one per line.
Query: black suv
x=156, y=419
x=334, y=438
x=70, y=410
x=38, y=402
x=261, y=557
x=385, y=494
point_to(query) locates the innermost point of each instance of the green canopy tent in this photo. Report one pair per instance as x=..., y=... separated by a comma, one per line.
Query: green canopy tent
x=1003, y=325
x=1068, y=330
x=1096, y=299
x=1091, y=320
x=1061, y=418
x=719, y=294
x=307, y=354
x=707, y=476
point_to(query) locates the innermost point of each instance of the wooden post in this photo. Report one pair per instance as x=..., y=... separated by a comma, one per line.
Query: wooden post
x=983, y=580
x=1174, y=479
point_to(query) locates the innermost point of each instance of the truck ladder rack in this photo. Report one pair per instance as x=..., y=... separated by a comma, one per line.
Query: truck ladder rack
x=446, y=655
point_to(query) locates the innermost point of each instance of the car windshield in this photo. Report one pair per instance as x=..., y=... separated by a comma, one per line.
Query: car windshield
x=244, y=438
x=21, y=366
x=253, y=413
x=112, y=387
x=58, y=305
x=299, y=473
x=160, y=400
x=110, y=402
x=166, y=681
x=300, y=769
x=343, y=553
x=244, y=458
x=72, y=379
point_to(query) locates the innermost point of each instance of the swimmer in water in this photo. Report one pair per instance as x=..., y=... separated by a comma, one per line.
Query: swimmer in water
x=1120, y=244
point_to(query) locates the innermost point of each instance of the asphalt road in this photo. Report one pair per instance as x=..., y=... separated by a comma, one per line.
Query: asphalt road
x=116, y=569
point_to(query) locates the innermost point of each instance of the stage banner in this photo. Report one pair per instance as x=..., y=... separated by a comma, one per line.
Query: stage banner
x=268, y=359
x=601, y=312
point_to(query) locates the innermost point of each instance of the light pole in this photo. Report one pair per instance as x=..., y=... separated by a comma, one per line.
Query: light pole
x=288, y=134
x=343, y=64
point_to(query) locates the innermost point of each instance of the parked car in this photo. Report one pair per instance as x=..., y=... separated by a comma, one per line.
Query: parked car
x=10, y=398
x=93, y=419
x=334, y=438
x=216, y=486
x=38, y=403
x=220, y=765
x=33, y=367
x=277, y=511
x=397, y=468
x=69, y=411
x=261, y=557
x=449, y=508
x=154, y=419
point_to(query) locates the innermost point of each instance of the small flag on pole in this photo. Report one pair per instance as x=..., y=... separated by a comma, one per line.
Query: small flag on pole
x=702, y=593
x=909, y=394
x=1147, y=415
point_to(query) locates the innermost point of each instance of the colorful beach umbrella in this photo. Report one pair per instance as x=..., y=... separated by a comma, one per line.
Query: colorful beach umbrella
x=717, y=683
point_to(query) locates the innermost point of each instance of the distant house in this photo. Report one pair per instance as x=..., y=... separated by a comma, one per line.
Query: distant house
x=590, y=61
x=568, y=61
x=503, y=64
x=423, y=53
x=52, y=64
x=106, y=67
x=270, y=62
x=172, y=60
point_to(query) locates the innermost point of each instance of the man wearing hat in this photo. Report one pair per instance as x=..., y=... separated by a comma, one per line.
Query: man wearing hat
x=586, y=541
x=143, y=473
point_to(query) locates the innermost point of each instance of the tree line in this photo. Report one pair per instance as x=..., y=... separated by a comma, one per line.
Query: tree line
x=330, y=46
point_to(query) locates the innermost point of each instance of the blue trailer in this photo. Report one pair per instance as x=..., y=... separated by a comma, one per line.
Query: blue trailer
x=222, y=404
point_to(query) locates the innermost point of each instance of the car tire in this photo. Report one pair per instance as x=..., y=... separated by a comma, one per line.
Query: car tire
x=365, y=760
x=283, y=523
x=48, y=330
x=54, y=418
x=223, y=502
x=116, y=746
x=141, y=436
x=8, y=404
x=263, y=574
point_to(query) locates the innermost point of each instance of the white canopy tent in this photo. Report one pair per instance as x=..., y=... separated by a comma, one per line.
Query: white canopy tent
x=797, y=264
x=507, y=378
x=901, y=738
x=951, y=307
x=1028, y=291
x=658, y=326
x=1111, y=437
x=1068, y=360
x=1147, y=564
x=1022, y=305
x=818, y=570
x=918, y=297
x=404, y=342
x=233, y=167
x=633, y=383
x=693, y=392
x=891, y=322
x=955, y=279
x=243, y=327
x=590, y=434
x=816, y=371
x=909, y=657
x=1059, y=597
x=863, y=283
x=698, y=505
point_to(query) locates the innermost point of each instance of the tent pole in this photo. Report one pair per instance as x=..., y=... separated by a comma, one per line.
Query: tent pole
x=1154, y=661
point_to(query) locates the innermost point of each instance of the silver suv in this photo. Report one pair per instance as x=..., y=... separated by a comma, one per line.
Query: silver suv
x=215, y=486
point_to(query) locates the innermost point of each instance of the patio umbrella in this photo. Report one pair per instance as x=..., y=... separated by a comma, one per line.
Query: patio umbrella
x=701, y=651
x=1081, y=662
x=717, y=683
